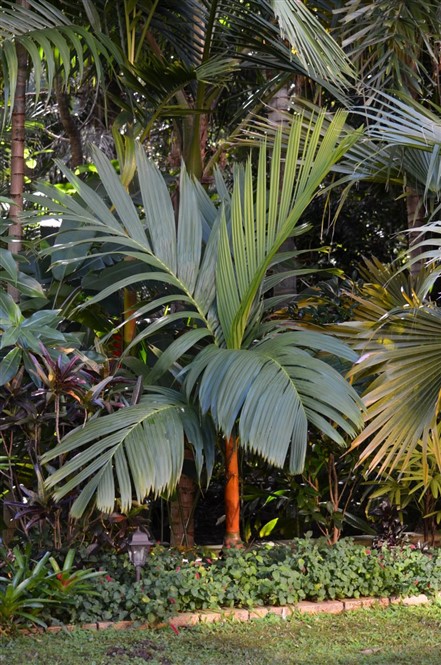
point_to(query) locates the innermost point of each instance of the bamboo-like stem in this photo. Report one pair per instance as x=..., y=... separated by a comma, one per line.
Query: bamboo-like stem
x=17, y=154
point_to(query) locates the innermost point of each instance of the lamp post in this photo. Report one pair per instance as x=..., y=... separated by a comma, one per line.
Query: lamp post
x=139, y=547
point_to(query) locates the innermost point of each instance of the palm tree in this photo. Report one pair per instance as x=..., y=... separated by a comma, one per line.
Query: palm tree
x=395, y=49
x=205, y=66
x=36, y=37
x=262, y=382
x=397, y=332
x=190, y=62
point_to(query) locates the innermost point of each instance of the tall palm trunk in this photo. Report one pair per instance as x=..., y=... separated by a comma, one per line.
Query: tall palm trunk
x=232, y=494
x=17, y=154
x=279, y=105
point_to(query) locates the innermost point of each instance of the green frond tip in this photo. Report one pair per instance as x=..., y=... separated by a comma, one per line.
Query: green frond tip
x=264, y=214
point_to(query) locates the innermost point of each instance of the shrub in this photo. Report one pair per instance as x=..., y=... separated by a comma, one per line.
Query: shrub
x=173, y=581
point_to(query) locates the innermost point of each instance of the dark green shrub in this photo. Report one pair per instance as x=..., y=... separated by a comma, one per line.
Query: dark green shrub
x=270, y=575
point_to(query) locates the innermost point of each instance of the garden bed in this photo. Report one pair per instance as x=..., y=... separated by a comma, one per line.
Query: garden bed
x=306, y=576
x=278, y=576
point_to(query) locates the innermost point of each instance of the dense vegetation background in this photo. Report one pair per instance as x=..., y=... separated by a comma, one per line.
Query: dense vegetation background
x=220, y=268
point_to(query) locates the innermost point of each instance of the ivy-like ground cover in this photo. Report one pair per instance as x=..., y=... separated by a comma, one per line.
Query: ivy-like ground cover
x=174, y=582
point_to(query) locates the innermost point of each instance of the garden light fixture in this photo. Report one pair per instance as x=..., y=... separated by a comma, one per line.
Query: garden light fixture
x=139, y=546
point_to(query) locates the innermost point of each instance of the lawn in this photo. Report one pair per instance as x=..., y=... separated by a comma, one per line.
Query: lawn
x=394, y=636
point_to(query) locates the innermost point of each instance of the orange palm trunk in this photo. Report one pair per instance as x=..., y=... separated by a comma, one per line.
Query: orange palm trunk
x=232, y=494
x=129, y=329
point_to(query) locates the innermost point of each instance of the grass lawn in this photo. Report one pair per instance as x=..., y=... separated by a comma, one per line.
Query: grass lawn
x=394, y=636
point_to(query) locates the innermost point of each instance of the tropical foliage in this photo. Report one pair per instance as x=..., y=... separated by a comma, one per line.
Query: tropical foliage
x=221, y=283
x=155, y=324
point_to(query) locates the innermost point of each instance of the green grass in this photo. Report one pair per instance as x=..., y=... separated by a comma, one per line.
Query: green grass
x=394, y=636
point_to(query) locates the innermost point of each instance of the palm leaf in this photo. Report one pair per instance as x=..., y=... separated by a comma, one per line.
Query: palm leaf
x=52, y=43
x=260, y=225
x=139, y=449
x=373, y=35
x=273, y=390
x=403, y=401
x=163, y=252
x=315, y=48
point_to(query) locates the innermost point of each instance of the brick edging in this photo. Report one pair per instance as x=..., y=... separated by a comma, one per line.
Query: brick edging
x=184, y=619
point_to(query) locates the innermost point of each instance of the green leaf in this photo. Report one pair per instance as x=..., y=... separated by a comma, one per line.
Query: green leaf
x=268, y=528
x=26, y=285
x=273, y=390
x=10, y=365
x=7, y=262
x=138, y=449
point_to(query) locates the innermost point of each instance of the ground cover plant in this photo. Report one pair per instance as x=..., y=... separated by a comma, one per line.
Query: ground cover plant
x=173, y=582
x=398, y=635
x=271, y=575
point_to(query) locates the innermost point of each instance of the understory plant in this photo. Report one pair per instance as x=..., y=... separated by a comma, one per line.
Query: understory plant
x=30, y=590
x=173, y=581
x=325, y=499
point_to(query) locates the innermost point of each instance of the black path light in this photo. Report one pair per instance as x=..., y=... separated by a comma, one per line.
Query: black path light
x=139, y=546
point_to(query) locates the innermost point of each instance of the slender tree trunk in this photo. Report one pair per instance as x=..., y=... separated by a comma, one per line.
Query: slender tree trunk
x=182, y=508
x=17, y=154
x=415, y=219
x=69, y=124
x=129, y=329
x=280, y=104
x=232, y=494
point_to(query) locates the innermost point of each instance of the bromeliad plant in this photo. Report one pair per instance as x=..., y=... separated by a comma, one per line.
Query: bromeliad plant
x=27, y=588
x=263, y=384
x=23, y=593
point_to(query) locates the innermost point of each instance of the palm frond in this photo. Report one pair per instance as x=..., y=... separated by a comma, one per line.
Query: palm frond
x=392, y=46
x=314, y=46
x=147, y=235
x=245, y=258
x=404, y=351
x=136, y=450
x=54, y=45
x=274, y=390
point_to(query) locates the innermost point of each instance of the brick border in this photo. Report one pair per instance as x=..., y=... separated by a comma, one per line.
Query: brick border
x=188, y=619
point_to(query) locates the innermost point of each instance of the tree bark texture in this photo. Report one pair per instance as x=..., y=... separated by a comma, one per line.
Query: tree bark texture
x=232, y=494
x=17, y=154
x=69, y=124
x=182, y=507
